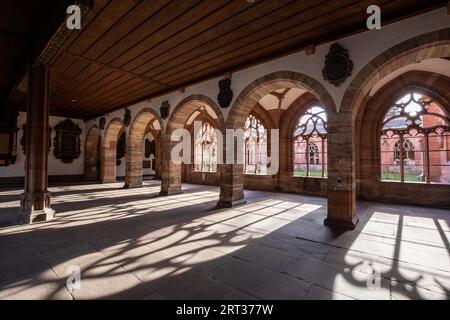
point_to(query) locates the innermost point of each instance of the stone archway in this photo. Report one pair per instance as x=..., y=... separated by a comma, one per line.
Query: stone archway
x=341, y=145
x=368, y=150
x=232, y=184
x=288, y=122
x=171, y=172
x=135, y=145
x=109, y=150
x=427, y=46
x=92, y=154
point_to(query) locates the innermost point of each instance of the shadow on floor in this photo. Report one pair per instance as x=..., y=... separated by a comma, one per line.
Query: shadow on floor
x=129, y=245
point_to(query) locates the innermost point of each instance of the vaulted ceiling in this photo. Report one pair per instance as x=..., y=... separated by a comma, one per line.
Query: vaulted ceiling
x=130, y=50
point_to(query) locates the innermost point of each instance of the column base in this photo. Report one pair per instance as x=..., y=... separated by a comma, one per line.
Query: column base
x=230, y=204
x=133, y=185
x=348, y=225
x=109, y=181
x=28, y=202
x=167, y=193
x=33, y=216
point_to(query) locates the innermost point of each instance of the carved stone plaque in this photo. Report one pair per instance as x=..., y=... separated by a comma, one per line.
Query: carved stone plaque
x=225, y=94
x=67, y=142
x=165, y=109
x=338, y=66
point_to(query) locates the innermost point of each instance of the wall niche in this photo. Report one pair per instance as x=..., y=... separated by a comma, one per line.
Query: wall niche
x=67, y=142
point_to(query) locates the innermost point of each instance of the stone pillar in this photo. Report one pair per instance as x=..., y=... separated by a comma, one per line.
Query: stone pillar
x=170, y=172
x=158, y=138
x=231, y=185
x=341, y=172
x=109, y=163
x=109, y=155
x=92, y=158
x=231, y=176
x=133, y=159
x=35, y=201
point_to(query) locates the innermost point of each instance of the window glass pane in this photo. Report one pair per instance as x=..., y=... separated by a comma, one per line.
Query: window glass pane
x=439, y=157
x=310, y=144
x=414, y=173
x=205, y=149
x=255, y=146
x=391, y=172
x=390, y=158
x=315, y=157
x=300, y=146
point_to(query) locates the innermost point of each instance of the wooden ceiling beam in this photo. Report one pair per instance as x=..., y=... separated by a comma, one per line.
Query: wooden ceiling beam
x=112, y=68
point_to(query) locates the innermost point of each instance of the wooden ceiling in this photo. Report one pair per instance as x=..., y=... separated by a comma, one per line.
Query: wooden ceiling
x=130, y=50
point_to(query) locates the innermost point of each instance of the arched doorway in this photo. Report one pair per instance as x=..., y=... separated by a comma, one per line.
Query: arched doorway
x=187, y=109
x=109, y=150
x=92, y=154
x=146, y=121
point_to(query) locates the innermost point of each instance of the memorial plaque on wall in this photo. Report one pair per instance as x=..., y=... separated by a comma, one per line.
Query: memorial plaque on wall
x=67, y=142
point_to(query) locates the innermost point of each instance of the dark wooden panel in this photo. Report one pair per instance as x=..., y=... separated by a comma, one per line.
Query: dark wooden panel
x=192, y=17
x=62, y=62
x=143, y=12
x=67, y=91
x=286, y=29
x=226, y=23
x=78, y=88
x=108, y=18
x=167, y=15
x=293, y=18
x=264, y=49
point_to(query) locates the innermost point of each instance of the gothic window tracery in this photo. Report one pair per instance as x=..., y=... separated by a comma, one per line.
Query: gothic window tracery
x=310, y=144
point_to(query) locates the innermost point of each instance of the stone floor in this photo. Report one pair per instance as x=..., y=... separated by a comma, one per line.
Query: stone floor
x=132, y=244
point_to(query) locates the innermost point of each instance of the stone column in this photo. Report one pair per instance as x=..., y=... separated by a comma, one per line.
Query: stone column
x=92, y=158
x=109, y=163
x=170, y=172
x=133, y=158
x=341, y=172
x=231, y=185
x=35, y=201
x=158, y=138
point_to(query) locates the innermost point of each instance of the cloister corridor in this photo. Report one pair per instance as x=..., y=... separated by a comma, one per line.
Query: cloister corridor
x=133, y=244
